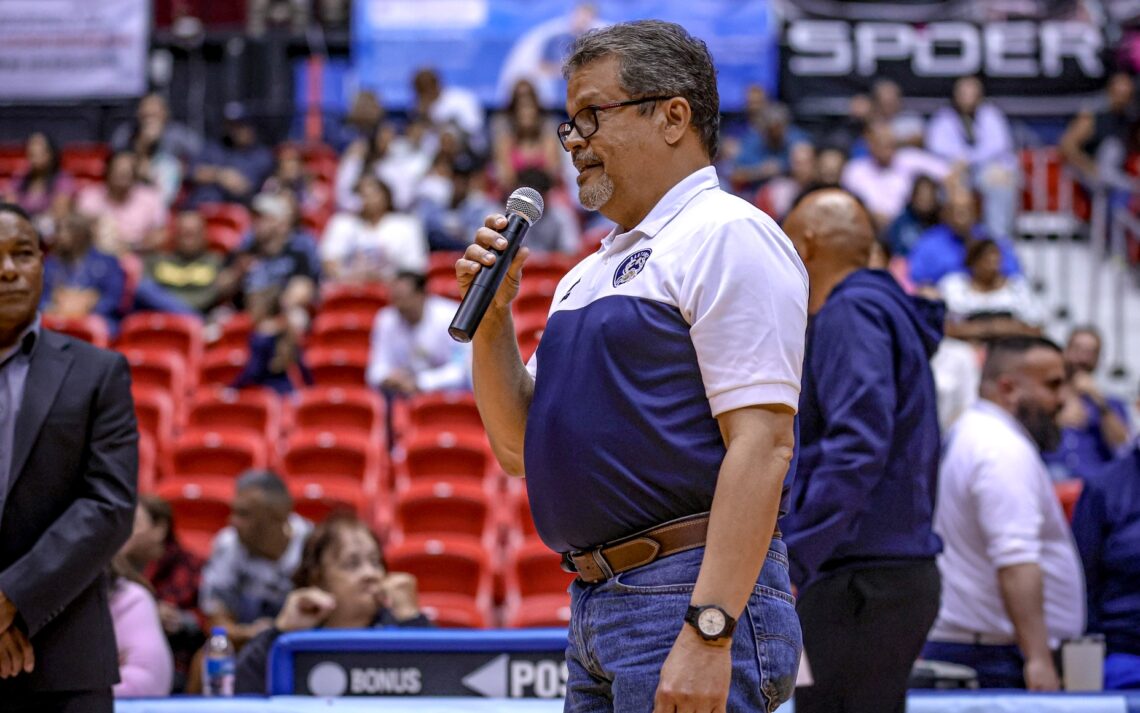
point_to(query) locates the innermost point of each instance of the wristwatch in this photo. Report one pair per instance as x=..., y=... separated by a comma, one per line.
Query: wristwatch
x=711, y=622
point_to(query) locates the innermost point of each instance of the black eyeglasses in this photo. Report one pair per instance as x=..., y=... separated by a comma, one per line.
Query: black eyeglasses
x=585, y=122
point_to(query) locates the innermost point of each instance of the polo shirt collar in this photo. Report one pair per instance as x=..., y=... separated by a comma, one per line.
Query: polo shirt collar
x=670, y=204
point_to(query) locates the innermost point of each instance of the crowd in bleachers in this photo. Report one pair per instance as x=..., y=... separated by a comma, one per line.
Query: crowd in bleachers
x=283, y=310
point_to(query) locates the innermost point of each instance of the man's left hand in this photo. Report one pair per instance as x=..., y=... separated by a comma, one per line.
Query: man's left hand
x=696, y=675
x=16, y=654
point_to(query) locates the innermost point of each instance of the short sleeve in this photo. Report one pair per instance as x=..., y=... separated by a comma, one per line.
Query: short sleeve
x=745, y=298
x=1008, y=506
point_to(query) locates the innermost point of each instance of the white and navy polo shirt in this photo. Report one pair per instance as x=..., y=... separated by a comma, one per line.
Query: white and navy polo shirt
x=700, y=309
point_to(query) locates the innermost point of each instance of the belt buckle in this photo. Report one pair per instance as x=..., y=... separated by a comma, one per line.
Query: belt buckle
x=597, y=568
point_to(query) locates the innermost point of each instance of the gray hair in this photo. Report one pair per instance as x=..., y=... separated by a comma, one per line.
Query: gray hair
x=267, y=482
x=657, y=57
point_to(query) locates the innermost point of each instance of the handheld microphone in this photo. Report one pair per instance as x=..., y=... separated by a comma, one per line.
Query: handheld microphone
x=524, y=208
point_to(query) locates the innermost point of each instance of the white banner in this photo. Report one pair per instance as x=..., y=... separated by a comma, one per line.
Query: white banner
x=73, y=49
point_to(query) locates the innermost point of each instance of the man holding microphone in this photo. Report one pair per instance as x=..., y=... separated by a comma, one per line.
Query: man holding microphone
x=655, y=425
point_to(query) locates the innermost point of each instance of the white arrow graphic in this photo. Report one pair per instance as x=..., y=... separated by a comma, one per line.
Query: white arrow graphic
x=490, y=679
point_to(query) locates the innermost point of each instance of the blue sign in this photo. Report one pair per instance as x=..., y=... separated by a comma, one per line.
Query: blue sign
x=488, y=45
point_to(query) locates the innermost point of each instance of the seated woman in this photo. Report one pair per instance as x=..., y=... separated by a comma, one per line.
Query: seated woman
x=342, y=583
x=984, y=303
x=375, y=243
x=1106, y=528
x=146, y=666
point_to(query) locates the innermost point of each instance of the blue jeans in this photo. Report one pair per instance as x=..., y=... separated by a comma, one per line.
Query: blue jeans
x=621, y=631
x=997, y=666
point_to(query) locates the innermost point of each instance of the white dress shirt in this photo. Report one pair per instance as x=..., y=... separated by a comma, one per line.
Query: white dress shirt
x=425, y=349
x=997, y=508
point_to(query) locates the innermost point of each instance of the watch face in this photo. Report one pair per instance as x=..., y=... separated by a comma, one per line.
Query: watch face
x=711, y=622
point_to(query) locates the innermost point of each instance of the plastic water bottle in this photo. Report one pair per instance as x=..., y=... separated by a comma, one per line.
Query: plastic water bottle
x=218, y=665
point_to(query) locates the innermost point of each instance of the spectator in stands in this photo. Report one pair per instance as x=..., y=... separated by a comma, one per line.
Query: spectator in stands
x=525, y=140
x=342, y=582
x=921, y=214
x=1106, y=527
x=942, y=249
x=1087, y=130
x=374, y=243
x=79, y=279
x=765, y=153
x=189, y=272
x=252, y=561
x=907, y=126
x=129, y=215
x=275, y=359
x=363, y=118
x=146, y=666
x=1011, y=578
x=152, y=123
x=1094, y=427
x=976, y=133
x=859, y=531
x=559, y=230
x=849, y=133
x=411, y=350
x=439, y=106
x=829, y=165
x=983, y=292
x=234, y=169
x=292, y=175
x=777, y=195
x=173, y=573
x=271, y=259
x=885, y=178
x=452, y=204
x=42, y=189
x=396, y=160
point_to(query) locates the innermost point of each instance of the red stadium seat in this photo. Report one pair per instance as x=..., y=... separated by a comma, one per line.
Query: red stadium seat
x=235, y=333
x=317, y=500
x=535, y=297
x=1069, y=492
x=453, y=576
x=338, y=409
x=338, y=367
x=362, y=300
x=223, y=238
x=444, y=510
x=85, y=162
x=551, y=266
x=453, y=411
x=162, y=369
x=201, y=509
x=341, y=331
x=443, y=457
x=12, y=159
x=255, y=410
x=442, y=263
x=550, y=610
x=444, y=286
x=327, y=457
x=528, y=330
x=91, y=328
x=148, y=463
x=215, y=455
x=153, y=331
x=156, y=413
x=220, y=367
x=519, y=521
x=234, y=215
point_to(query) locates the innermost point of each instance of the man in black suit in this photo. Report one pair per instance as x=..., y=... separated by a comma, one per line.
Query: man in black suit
x=68, y=467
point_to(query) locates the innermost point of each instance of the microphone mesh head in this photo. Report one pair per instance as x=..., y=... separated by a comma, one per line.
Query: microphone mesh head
x=526, y=202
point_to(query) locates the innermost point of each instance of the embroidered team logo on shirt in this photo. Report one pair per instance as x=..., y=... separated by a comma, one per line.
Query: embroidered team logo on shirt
x=631, y=267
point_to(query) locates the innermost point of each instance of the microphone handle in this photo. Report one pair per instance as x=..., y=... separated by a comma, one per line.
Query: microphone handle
x=481, y=291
